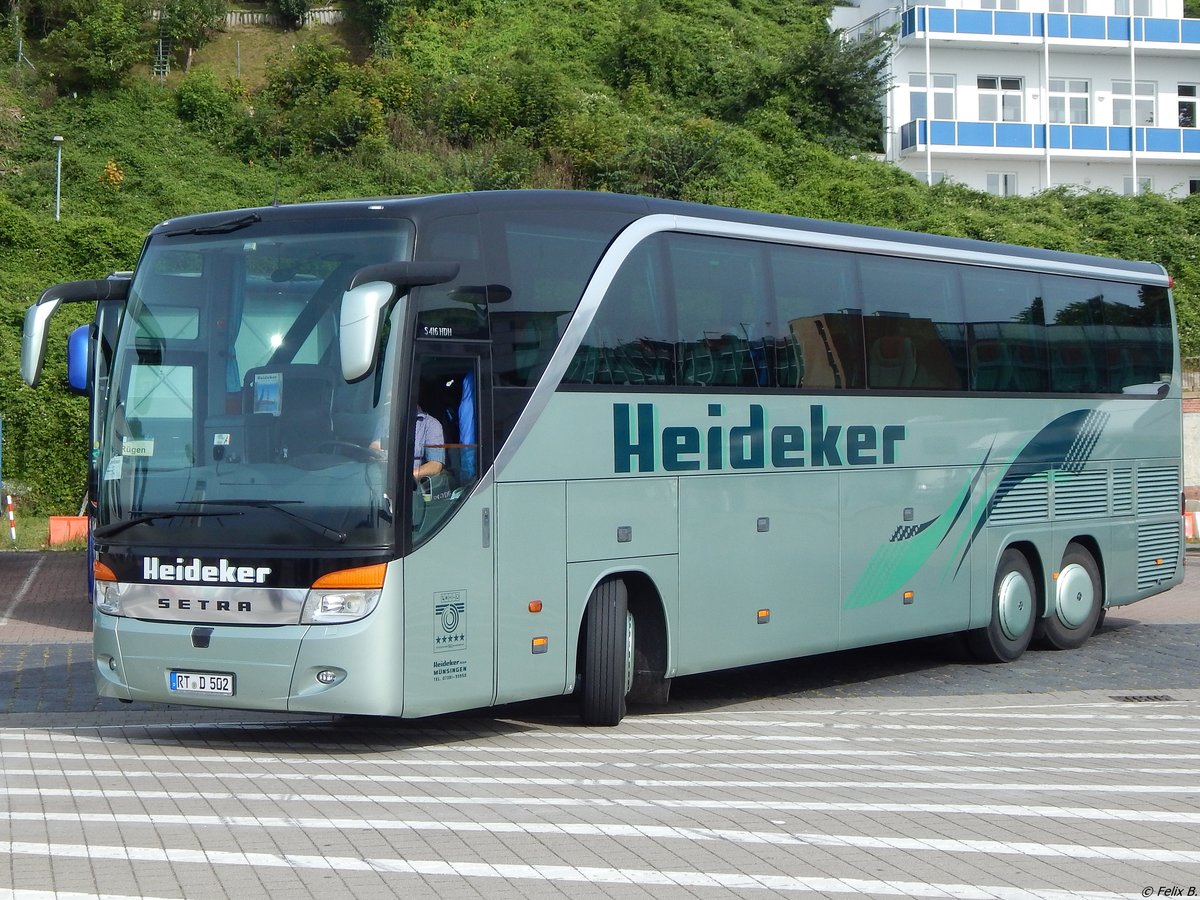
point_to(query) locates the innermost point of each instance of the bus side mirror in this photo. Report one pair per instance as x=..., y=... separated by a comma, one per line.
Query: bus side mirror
x=37, y=317
x=33, y=340
x=79, y=359
x=371, y=289
x=358, y=335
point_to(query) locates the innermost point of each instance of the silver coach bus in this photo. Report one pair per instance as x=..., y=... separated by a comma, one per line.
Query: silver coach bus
x=671, y=439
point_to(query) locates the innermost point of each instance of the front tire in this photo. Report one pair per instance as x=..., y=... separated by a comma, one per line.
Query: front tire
x=1014, y=612
x=607, y=655
x=1078, y=597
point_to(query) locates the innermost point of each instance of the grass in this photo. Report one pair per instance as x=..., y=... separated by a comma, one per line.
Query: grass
x=244, y=52
x=33, y=533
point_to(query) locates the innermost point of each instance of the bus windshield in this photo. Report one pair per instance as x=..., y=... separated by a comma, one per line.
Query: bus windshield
x=227, y=419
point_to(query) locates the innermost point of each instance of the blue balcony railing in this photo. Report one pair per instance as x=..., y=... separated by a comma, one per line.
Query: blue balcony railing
x=1031, y=136
x=1005, y=23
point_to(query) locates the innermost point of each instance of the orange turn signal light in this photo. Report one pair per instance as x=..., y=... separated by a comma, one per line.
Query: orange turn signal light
x=102, y=572
x=535, y=606
x=360, y=577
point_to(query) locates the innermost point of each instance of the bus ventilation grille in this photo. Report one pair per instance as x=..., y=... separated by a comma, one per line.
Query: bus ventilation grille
x=1145, y=698
x=1157, y=553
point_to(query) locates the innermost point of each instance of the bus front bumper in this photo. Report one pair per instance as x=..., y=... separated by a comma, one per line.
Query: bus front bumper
x=290, y=668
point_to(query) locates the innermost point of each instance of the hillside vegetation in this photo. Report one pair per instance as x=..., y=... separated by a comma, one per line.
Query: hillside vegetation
x=736, y=102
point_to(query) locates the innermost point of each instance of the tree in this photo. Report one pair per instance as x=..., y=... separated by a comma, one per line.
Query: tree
x=192, y=24
x=293, y=12
x=832, y=89
x=96, y=50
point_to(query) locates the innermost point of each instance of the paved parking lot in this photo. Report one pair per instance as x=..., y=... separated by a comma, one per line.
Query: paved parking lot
x=903, y=771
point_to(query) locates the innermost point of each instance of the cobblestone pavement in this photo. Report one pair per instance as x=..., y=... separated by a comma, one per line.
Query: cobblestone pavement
x=902, y=771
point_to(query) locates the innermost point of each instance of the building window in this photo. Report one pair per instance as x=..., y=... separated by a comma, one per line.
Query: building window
x=1002, y=184
x=1145, y=184
x=1133, y=107
x=1001, y=98
x=1071, y=6
x=937, y=176
x=1194, y=185
x=1140, y=7
x=1187, y=106
x=998, y=4
x=943, y=96
x=1069, y=101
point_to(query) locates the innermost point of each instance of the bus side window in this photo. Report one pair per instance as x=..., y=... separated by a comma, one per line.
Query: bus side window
x=818, y=321
x=1010, y=347
x=912, y=324
x=629, y=340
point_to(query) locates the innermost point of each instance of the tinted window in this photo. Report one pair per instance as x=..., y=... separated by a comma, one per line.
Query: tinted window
x=721, y=311
x=820, y=330
x=630, y=340
x=1006, y=337
x=912, y=324
x=717, y=312
x=544, y=260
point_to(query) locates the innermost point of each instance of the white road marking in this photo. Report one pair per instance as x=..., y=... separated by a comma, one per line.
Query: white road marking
x=387, y=800
x=657, y=832
x=629, y=783
x=21, y=591
x=551, y=874
x=395, y=762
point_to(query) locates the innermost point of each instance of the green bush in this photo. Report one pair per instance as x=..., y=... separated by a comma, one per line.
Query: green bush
x=200, y=100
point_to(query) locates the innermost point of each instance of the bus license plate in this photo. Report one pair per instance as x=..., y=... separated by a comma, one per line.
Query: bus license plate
x=202, y=683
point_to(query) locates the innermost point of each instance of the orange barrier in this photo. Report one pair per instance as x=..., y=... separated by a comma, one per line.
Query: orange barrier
x=64, y=529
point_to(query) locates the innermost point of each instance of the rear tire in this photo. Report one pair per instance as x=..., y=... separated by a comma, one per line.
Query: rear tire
x=1078, y=596
x=1014, y=612
x=607, y=655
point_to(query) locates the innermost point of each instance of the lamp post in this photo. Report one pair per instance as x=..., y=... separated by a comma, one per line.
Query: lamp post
x=58, y=142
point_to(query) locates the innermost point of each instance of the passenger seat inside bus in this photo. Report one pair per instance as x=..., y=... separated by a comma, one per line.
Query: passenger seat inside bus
x=892, y=362
x=289, y=410
x=991, y=369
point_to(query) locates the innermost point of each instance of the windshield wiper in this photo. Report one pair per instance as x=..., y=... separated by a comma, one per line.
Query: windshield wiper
x=311, y=524
x=220, y=228
x=117, y=527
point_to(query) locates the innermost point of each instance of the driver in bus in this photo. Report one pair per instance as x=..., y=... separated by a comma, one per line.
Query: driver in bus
x=429, y=454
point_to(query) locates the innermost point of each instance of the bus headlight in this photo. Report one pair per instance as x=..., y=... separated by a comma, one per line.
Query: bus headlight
x=343, y=596
x=107, y=595
x=108, y=598
x=324, y=607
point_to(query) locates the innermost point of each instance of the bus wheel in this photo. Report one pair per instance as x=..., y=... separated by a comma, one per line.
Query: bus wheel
x=1014, y=611
x=607, y=655
x=1077, y=600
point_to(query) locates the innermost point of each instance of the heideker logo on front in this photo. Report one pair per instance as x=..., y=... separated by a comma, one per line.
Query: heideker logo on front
x=196, y=571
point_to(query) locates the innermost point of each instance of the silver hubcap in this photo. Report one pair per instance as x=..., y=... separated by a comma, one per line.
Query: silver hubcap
x=1014, y=601
x=1074, y=595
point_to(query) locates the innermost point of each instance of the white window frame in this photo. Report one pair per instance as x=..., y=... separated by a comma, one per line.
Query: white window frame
x=1144, y=182
x=1142, y=102
x=943, y=93
x=1001, y=98
x=1070, y=101
x=1002, y=184
x=1188, y=104
x=1141, y=8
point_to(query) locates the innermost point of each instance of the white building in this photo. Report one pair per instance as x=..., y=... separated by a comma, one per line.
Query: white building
x=1016, y=96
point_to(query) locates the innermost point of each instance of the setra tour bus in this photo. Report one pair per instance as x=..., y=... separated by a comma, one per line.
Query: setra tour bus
x=669, y=438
